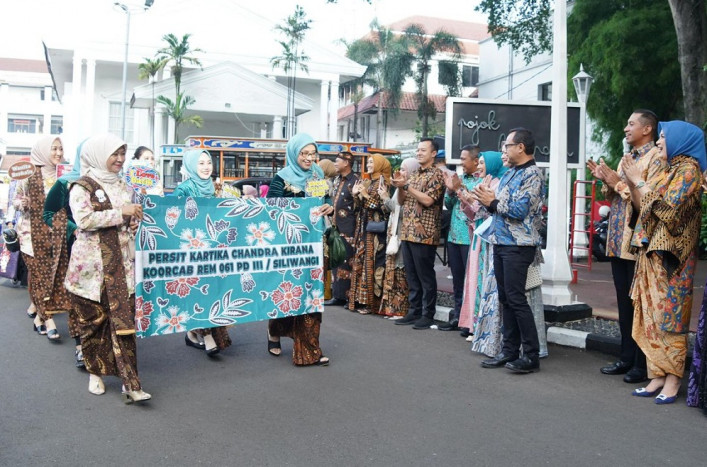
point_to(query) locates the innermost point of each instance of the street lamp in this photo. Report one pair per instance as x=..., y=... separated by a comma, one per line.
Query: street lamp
x=128, y=8
x=582, y=82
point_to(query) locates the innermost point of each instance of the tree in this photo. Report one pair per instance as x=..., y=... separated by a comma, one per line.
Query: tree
x=628, y=72
x=148, y=70
x=177, y=111
x=294, y=29
x=424, y=47
x=178, y=52
x=525, y=26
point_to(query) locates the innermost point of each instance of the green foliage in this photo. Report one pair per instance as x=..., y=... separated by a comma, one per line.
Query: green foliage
x=630, y=49
x=178, y=52
x=524, y=25
x=177, y=111
x=449, y=77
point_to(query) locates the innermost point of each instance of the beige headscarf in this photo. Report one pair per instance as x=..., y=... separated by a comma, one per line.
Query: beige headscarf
x=41, y=155
x=94, y=157
x=328, y=168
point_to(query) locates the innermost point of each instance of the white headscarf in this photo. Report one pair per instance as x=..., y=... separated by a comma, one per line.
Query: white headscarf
x=41, y=155
x=94, y=157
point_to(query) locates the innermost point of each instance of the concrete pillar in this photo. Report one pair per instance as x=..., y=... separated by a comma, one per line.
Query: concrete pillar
x=277, y=127
x=323, y=109
x=73, y=120
x=333, y=110
x=4, y=110
x=88, y=127
x=160, y=135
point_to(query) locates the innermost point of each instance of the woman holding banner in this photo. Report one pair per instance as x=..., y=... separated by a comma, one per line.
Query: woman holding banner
x=198, y=167
x=292, y=181
x=58, y=216
x=101, y=273
x=45, y=286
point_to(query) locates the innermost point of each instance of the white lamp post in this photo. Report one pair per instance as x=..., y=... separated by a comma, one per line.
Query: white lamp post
x=582, y=82
x=128, y=7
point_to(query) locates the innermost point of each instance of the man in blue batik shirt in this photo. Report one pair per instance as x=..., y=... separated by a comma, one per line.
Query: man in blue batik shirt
x=516, y=206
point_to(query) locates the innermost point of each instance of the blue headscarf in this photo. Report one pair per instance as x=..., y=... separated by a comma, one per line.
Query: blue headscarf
x=494, y=163
x=682, y=138
x=293, y=173
x=75, y=173
x=205, y=188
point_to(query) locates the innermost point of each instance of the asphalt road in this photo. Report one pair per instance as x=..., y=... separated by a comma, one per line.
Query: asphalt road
x=393, y=396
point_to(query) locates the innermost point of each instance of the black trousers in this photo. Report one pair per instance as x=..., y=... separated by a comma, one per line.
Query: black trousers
x=457, y=254
x=419, y=261
x=511, y=267
x=623, y=270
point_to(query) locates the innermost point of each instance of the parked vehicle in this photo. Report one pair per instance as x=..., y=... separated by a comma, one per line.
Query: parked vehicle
x=601, y=228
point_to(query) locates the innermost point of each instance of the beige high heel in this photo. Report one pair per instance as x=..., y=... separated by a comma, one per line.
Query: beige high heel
x=95, y=385
x=136, y=396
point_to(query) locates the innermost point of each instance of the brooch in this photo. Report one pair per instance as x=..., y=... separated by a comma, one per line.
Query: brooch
x=101, y=196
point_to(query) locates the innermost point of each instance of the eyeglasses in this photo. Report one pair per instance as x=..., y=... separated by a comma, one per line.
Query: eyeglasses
x=505, y=146
x=308, y=155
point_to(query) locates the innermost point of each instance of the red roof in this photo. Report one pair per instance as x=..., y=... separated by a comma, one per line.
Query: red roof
x=408, y=101
x=19, y=64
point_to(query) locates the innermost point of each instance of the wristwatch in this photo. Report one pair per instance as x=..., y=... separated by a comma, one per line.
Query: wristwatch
x=640, y=184
x=405, y=187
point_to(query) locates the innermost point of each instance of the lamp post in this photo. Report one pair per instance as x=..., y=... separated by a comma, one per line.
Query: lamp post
x=128, y=8
x=582, y=82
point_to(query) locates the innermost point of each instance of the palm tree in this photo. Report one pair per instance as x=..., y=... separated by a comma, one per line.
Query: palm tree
x=177, y=111
x=178, y=52
x=424, y=47
x=294, y=29
x=388, y=63
x=148, y=70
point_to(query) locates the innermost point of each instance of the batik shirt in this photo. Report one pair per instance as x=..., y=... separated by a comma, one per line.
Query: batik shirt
x=517, y=209
x=422, y=224
x=618, y=240
x=459, y=228
x=344, y=217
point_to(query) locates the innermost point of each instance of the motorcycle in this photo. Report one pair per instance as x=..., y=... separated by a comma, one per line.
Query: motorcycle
x=601, y=228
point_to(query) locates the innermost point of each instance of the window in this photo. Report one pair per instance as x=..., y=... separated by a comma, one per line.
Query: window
x=24, y=123
x=470, y=75
x=545, y=92
x=447, y=75
x=57, y=125
x=115, y=121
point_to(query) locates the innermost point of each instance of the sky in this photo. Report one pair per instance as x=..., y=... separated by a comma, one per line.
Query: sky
x=27, y=22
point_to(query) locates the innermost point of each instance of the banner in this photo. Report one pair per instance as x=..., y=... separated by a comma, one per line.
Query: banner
x=206, y=262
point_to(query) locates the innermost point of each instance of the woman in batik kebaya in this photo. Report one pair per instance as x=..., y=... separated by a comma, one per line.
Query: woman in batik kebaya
x=198, y=167
x=101, y=273
x=666, y=235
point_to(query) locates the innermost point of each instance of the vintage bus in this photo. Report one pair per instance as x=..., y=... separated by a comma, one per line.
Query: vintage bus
x=248, y=158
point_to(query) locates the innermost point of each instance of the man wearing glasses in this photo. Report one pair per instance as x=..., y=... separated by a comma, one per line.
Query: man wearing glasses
x=516, y=206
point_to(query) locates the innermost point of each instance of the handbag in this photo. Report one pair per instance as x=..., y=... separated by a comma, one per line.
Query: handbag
x=394, y=241
x=377, y=227
x=12, y=242
x=535, y=277
x=337, y=248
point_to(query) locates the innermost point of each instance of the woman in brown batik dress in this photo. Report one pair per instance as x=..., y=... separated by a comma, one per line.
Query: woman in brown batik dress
x=369, y=261
x=102, y=267
x=46, y=290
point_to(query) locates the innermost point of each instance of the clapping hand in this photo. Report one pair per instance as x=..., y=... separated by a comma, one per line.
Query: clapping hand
x=357, y=187
x=483, y=193
x=383, y=192
x=399, y=179
x=631, y=169
x=451, y=180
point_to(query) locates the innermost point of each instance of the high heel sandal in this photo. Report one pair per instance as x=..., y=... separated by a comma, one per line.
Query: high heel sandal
x=274, y=346
x=53, y=335
x=41, y=329
x=95, y=385
x=136, y=396
x=191, y=343
x=323, y=361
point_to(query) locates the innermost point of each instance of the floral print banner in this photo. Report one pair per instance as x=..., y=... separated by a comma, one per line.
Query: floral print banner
x=206, y=262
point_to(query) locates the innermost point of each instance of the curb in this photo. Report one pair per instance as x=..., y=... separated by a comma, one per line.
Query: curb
x=584, y=340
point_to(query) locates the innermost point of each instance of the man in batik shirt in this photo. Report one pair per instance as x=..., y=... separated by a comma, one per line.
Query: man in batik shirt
x=344, y=218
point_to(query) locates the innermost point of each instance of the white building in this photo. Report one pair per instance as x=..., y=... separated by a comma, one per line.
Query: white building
x=399, y=131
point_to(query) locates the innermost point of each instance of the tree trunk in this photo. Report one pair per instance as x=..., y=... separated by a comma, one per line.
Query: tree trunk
x=379, y=118
x=152, y=116
x=425, y=103
x=355, y=130
x=691, y=28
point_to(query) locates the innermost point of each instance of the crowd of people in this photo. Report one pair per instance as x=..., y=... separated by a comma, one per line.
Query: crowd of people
x=77, y=233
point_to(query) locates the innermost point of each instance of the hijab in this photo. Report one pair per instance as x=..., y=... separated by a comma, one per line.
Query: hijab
x=494, y=163
x=381, y=166
x=328, y=167
x=249, y=190
x=190, y=160
x=682, y=138
x=41, y=155
x=410, y=165
x=94, y=157
x=293, y=173
x=75, y=172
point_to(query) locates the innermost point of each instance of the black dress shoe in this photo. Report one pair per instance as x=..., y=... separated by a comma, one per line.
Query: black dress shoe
x=190, y=343
x=617, y=368
x=464, y=332
x=524, y=365
x=498, y=361
x=335, y=302
x=450, y=326
x=635, y=376
x=406, y=320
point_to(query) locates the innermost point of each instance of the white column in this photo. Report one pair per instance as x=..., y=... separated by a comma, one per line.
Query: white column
x=170, y=132
x=333, y=110
x=4, y=99
x=160, y=138
x=323, y=109
x=277, y=127
x=88, y=126
x=556, y=269
x=72, y=125
x=47, y=110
